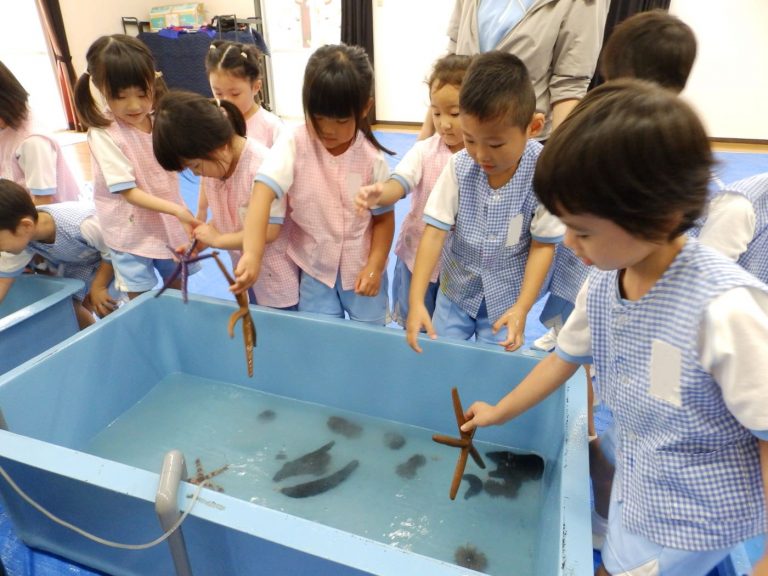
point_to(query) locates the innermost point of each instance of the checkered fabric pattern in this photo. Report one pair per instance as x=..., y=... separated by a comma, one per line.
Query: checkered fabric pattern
x=477, y=264
x=10, y=168
x=70, y=252
x=264, y=127
x=755, y=258
x=690, y=472
x=129, y=228
x=328, y=235
x=278, y=283
x=568, y=276
x=434, y=157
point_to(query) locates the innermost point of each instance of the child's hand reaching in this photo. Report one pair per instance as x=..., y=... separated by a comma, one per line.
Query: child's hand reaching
x=188, y=221
x=514, y=320
x=418, y=318
x=368, y=282
x=478, y=415
x=246, y=273
x=207, y=234
x=368, y=196
x=100, y=301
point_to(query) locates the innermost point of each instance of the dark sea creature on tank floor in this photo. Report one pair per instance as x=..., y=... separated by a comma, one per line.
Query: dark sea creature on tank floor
x=344, y=427
x=511, y=465
x=315, y=463
x=470, y=557
x=507, y=488
x=393, y=440
x=475, y=485
x=267, y=416
x=321, y=485
x=409, y=468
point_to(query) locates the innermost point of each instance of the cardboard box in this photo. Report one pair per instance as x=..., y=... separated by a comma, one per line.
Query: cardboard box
x=188, y=15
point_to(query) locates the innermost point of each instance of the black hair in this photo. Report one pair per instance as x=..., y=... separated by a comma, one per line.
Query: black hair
x=338, y=83
x=450, y=70
x=115, y=63
x=652, y=45
x=240, y=60
x=190, y=126
x=632, y=153
x=13, y=99
x=497, y=87
x=15, y=204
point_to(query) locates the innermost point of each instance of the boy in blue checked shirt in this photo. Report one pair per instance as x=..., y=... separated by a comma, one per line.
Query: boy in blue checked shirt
x=67, y=235
x=676, y=331
x=502, y=241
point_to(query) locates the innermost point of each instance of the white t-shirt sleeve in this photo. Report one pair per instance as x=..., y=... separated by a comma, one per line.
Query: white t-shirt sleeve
x=730, y=225
x=574, y=342
x=546, y=227
x=117, y=169
x=443, y=202
x=732, y=347
x=277, y=169
x=37, y=157
x=409, y=170
x=93, y=236
x=277, y=210
x=12, y=265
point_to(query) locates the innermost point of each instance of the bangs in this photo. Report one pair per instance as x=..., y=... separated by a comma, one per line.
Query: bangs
x=333, y=94
x=127, y=71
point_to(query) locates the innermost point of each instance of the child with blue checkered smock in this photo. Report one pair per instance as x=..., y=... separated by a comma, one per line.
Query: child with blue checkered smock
x=416, y=175
x=502, y=240
x=677, y=333
x=737, y=224
x=67, y=235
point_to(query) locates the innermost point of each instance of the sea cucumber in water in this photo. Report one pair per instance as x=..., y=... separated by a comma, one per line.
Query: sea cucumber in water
x=267, y=416
x=393, y=440
x=408, y=468
x=470, y=557
x=475, y=485
x=344, y=427
x=509, y=465
x=312, y=463
x=321, y=485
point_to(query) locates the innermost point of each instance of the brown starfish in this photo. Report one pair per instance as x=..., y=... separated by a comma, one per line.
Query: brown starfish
x=244, y=312
x=464, y=442
x=201, y=477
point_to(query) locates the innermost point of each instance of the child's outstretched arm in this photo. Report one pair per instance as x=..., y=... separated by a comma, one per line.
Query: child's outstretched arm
x=761, y=568
x=540, y=257
x=5, y=286
x=427, y=257
x=139, y=197
x=202, y=203
x=254, y=237
x=379, y=194
x=545, y=378
x=368, y=280
x=101, y=302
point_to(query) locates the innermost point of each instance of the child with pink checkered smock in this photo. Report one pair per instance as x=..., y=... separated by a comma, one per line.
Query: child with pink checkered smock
x=29, y=156
x=416, y=174
x=208, y=137
x=320, y=166
x=234, y=73
x=137, y=202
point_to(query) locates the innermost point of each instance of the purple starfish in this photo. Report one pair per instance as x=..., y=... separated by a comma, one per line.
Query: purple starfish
x=182, y=267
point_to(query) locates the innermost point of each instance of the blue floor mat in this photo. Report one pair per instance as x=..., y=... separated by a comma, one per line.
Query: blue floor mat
x=19, y=560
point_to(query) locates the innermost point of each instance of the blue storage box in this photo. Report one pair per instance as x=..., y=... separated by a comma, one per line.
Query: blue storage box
x=58, y=406
x=36, y=313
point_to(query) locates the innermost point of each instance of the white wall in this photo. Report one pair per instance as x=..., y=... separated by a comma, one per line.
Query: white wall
x=729, y=81
x=86, y=20
x=405, y=49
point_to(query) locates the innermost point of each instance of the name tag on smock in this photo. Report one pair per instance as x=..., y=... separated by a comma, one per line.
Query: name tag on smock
x=514, y=230
x=666, y=361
